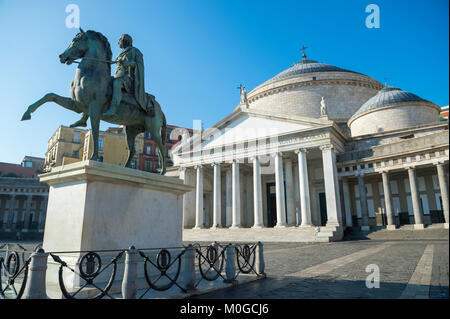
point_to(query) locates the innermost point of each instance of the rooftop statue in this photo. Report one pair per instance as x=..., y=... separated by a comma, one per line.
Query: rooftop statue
x=243, y=94
x=323, y=107
x=118, y=100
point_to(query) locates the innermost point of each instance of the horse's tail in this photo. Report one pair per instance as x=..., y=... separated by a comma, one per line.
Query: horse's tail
x=163, y=130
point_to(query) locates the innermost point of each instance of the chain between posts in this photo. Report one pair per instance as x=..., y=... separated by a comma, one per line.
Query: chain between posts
x=162, y=269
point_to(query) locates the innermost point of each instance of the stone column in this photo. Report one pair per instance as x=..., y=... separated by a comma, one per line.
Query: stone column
x=331, y=186
x=12, y=203
x=236, y=196
x=217, y=208
x=257, y=194
x=189, y=199
x=348, y=212
x=418, y=216
x=228, y=199
x=388, y=201
x=2, y=213
x=297, y=194
x=43, y=212
x=443, y=185
x=363, y=203
x=305, y=205
x=279, y=187
x=26, y=221
x=290, y=204
x=199, y=218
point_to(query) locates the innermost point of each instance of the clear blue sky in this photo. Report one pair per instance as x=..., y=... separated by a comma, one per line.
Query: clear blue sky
x=197, y=52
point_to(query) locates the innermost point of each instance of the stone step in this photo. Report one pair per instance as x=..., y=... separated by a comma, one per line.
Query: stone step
x=287, y=234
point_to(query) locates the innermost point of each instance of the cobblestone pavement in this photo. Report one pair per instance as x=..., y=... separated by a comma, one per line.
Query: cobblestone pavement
x=345, y=278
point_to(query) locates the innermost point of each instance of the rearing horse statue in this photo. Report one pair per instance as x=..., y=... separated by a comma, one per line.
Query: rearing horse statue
x=91, y=92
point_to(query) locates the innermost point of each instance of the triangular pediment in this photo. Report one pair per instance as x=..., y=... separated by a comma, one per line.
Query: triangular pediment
x=245, y=125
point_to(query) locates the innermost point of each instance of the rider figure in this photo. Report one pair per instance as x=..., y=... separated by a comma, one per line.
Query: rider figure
x=129, y=75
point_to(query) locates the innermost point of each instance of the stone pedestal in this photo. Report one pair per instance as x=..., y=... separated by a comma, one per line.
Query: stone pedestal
x=98, y=206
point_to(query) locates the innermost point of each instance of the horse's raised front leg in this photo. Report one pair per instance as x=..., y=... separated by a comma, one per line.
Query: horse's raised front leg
x=65, y=102
x=95, y=115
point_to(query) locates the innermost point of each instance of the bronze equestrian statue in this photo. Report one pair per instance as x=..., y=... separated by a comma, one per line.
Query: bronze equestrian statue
x=118, y=100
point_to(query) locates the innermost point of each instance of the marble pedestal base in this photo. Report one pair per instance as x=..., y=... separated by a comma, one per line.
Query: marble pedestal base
x=98, y=206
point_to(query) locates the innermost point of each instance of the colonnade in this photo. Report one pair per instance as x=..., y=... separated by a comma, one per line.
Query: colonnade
x=415, y=198
x=22, y=221
x=286, y=186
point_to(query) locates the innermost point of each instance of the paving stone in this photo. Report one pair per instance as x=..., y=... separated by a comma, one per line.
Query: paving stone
x=396, y=262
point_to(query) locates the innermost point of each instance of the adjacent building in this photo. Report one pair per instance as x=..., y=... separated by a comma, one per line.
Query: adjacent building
x=23, y=199
x=68, y=145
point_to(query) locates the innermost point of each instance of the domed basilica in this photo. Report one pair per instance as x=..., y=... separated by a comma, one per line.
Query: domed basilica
x=311, y=151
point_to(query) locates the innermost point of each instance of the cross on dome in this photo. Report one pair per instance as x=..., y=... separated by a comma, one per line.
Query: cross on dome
x=304, y=53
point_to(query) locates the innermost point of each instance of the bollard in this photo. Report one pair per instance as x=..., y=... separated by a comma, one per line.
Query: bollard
x=35, y=287
x=189, y=268
x=129, y=282
x=260, y=265
x=230, y=264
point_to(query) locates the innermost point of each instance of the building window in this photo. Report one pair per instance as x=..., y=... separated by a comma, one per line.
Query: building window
x=28, y=164
x=169, y=139
x=76, y=137
x=6, y=217
x=100, y=143
x=133, y=163
x=148, y=149
x=148, y=165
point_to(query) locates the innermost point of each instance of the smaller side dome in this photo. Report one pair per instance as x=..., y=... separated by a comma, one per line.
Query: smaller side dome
x=390, y=109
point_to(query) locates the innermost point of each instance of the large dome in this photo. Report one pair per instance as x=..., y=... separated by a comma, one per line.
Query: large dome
x=392, y=108
x=305, y=67
x=299, y=89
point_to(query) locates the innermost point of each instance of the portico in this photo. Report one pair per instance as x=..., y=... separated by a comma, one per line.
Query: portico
x=267, y=181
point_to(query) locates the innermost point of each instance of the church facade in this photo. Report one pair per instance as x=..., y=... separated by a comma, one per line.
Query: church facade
x=312, y=151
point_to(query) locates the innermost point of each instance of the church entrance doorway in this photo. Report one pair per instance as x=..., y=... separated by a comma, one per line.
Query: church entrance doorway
x=323, y=209
x=271, y=205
